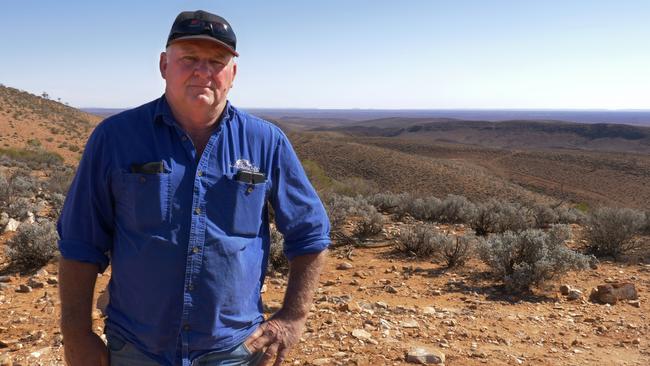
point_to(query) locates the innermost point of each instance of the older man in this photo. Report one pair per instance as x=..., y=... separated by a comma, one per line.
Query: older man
x=174, y=193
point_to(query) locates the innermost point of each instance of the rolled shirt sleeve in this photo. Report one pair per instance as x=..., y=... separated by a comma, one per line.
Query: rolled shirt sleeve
x=86, y=222
x=299, y=212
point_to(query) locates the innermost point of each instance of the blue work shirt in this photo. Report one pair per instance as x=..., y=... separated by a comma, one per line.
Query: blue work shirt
x=188, y=242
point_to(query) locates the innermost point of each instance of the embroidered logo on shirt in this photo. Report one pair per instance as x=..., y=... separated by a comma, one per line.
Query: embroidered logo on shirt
x=246, y=165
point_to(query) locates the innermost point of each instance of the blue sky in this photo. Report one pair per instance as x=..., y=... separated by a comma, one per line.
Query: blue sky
x=345, y=53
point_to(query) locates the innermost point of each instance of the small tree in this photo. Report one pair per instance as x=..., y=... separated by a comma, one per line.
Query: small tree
x=455, y=251
x=610, y=231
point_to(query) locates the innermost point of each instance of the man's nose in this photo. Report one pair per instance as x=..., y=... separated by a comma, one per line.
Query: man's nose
x=203, y=68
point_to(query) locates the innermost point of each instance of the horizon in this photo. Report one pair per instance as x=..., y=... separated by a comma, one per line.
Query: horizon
x=423, y=55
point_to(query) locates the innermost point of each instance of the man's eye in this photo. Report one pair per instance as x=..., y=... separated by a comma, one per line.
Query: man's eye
x=189, y=58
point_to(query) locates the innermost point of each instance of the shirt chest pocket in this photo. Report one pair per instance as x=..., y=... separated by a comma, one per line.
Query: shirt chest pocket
x=143, y=201
x=241, y=205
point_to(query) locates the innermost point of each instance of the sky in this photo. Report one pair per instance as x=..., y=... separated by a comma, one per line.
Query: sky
x=345, y=54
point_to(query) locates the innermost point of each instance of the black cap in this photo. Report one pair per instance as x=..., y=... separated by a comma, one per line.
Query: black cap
x=203, y=25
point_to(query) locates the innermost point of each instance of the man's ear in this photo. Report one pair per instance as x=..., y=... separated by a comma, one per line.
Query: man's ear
x=163, y=64
x=234, y=73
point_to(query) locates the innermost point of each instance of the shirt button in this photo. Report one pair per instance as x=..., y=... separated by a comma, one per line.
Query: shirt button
x=249, y=189
x=186, y=327
x=200, y=173
x=197, y=211
x=195, y=250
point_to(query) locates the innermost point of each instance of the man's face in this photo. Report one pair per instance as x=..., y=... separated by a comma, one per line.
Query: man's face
x=198, y=74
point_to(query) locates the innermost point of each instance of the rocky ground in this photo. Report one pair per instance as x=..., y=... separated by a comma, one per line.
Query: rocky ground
x=374, y=306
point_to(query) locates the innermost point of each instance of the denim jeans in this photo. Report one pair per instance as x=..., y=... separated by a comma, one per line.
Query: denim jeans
x=125, y=354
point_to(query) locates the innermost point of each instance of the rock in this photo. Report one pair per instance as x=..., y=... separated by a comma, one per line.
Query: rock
x=425, y=356
x=611, y=293
x=390, y=289
x=361, y=334
x=428, y=310
x=564, y=289
x=30, y=218
x=5, y=360
x=409, y=324
x=4, y=219
x=574, y=294
x=635, y=303
x=272, y=307
x=436, y=292
x=351, y=306
x=53, y=281
x=5, y=279
x=12, y=225
x=42, y=273
x=33, y=283
x=24, y=289
x=102, y=301
x=321, y=361
x=344, y=266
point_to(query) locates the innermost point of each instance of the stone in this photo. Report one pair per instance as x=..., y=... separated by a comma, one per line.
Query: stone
x=33, y=283
x=53, y=280
x=12, y=225
x=321, y=361
x=344, y=266
x=409, y=324
x=24, y=289
x=425, y=356
x=5, y=279
x=428, y=310
x=564, y=289
x=390, y=289
x=611, y=293
x=30, y=218
x=102, y=301
x=361, y=334
x=574, y=294
x=42, y=273
x=635, y=303
x=4, y=219
x=5, y=360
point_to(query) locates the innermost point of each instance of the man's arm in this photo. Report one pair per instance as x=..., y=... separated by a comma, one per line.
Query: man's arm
x=284, y=329
x=76, y=289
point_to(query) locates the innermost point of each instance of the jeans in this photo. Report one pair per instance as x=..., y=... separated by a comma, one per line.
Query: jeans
x=125, y=354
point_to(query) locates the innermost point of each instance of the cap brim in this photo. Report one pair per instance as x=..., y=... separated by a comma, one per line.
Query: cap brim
x=207, y=38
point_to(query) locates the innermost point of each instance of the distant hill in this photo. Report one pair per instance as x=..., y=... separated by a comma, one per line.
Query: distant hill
x=35, y=122
x=507, y=134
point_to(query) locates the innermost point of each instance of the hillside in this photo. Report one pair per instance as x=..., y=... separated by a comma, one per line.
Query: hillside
x=30, y=121
x=516, y=134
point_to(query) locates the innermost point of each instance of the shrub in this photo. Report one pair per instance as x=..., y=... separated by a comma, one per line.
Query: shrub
x=530, y=257
x=455, y=251
x=569, y=215
x=277, y=260
x=34, y=158
x=418, y=240
x=455, y=209
x=646, y=226
x=370, y=223
x=543, y=216
x=610, y=231
x=59, y=180
x=56, y=204
x=33, y=245
x=19, y=207
x=498, y=217
x=339, y=208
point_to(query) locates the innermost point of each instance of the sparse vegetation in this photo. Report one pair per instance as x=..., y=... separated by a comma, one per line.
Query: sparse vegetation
x=370, y=223
x=498, y=217
x=531, y=257
x=611, y=231
x=33, y=245
x=455, y=209
x=418, y=241
x=277, y=260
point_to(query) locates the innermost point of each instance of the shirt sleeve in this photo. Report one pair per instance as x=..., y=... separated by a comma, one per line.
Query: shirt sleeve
x=86, y=223
x=299, y=212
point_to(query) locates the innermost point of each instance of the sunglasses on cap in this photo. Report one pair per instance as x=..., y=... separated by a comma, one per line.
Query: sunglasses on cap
x=220, y=32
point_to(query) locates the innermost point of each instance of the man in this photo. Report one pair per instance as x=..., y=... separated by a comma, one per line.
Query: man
x=174, y=192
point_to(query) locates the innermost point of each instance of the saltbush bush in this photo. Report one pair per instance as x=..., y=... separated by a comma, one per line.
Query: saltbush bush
x=610, y=231
x=495, y=216
x=33, y=245
x=455, y=251
x=569, y=215
x=543, y=215
x=455, y=209
x=418, y=240
x=530, y=257
x=277, y=260
x=370, y=223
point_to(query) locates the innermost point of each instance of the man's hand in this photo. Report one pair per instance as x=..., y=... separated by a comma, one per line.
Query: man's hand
x=277, y=335
x=284, y=329
x=85, y=350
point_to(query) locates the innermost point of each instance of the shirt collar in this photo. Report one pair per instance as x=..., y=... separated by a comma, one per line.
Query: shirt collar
x=163, y=112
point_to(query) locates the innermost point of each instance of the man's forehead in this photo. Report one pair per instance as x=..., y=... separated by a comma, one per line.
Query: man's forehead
x=201, y=46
